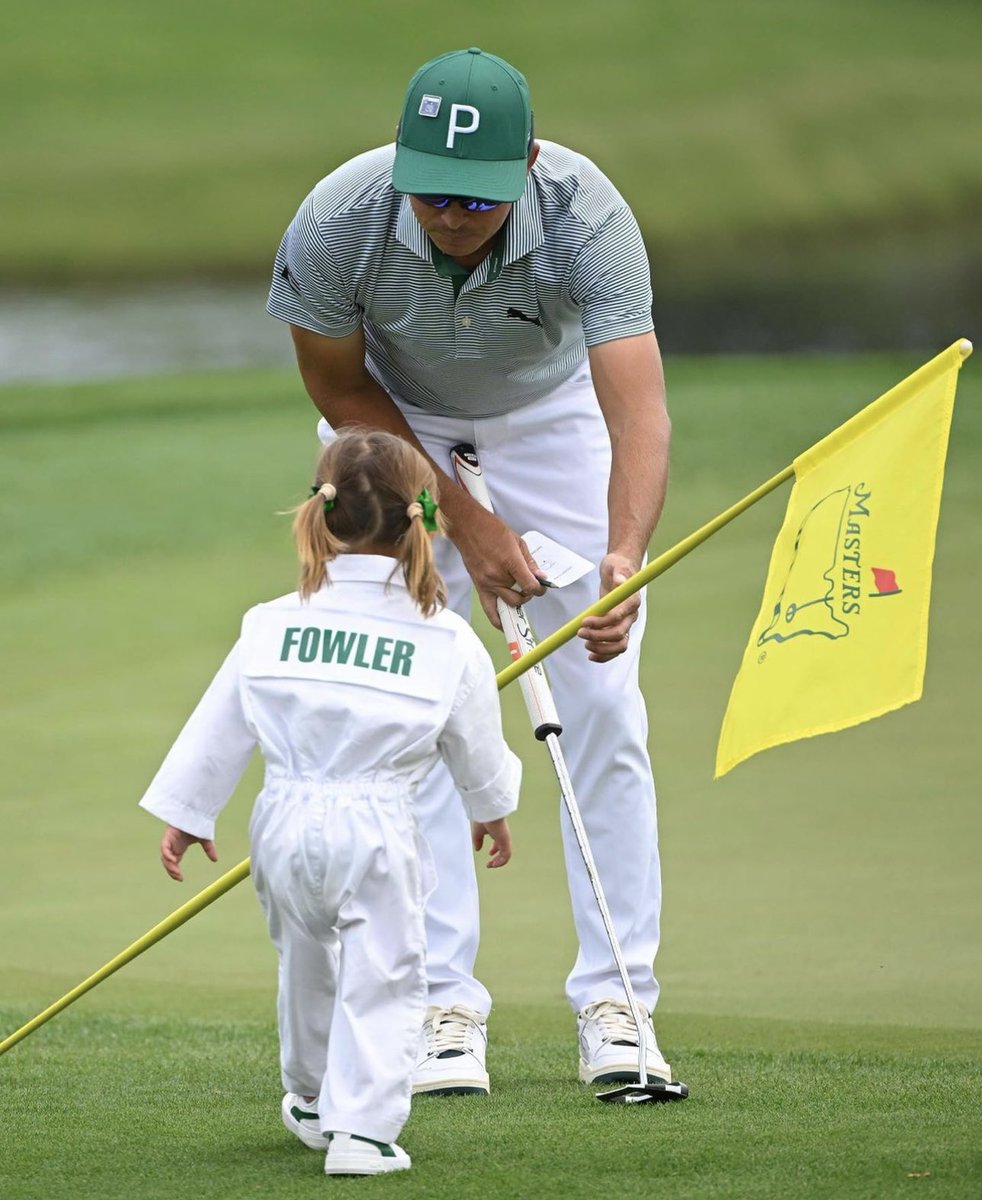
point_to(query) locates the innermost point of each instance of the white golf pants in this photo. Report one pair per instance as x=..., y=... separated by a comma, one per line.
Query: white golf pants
x=338, y=873
x=547, y=468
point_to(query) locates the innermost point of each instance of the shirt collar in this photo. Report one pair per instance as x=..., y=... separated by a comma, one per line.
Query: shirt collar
x=410, y=232
x=366, y=568
x=524, y=230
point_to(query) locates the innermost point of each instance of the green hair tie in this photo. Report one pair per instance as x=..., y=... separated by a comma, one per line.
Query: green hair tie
x=429, y=507
x=328, y=491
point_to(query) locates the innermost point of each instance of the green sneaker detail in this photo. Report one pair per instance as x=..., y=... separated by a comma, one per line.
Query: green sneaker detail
x=384, y=1148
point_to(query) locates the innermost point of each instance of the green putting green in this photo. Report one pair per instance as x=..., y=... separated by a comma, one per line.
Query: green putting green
x=820, y=963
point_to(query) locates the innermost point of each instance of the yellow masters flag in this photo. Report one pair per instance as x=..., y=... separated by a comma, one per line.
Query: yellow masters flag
x=841, y=636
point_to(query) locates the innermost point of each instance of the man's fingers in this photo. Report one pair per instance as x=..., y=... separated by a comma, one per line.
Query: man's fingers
x=489, y=602
x=614, y=627
x=606, y=650
x=608, y=636
x=532, y=585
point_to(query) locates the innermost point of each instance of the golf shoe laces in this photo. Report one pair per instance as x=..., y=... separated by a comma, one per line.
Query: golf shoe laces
x=616, y=1021
x=450, y=1031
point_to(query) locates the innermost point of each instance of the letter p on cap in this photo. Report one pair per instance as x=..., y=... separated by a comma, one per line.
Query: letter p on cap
x=454, y=128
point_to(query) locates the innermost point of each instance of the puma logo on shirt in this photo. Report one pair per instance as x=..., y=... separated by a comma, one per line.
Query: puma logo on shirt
x=518, y=315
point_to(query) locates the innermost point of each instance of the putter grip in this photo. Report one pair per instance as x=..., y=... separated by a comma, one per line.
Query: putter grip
x=514, y=623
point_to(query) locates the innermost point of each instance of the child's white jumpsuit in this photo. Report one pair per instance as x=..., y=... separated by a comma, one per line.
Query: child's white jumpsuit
x=352, y=697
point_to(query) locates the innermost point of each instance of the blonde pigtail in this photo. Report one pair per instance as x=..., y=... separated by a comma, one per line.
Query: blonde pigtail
x=424, y=582
x=316, y=544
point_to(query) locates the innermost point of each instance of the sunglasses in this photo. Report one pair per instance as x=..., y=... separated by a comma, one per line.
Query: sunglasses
x=470, y=203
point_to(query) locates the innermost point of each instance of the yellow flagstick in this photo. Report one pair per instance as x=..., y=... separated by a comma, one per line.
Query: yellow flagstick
x=562, y=635
x=237, y=874
x=184, y=913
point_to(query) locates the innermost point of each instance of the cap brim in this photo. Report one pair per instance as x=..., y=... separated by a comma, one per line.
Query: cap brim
x=437, y=175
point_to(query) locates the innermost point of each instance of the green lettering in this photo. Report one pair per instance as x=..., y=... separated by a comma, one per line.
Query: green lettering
x=402, y=658
x=383, y=648
x=861, y=497
x=309, y=641
x=337, y=646
x=289, y=641
x=360, y=659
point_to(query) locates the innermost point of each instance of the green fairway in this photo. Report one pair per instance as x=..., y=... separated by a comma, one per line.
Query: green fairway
x=166, y=1108
x=145, y=141
x=821, y=967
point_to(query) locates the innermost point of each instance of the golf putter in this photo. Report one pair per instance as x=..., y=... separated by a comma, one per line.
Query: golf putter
x=547, y=728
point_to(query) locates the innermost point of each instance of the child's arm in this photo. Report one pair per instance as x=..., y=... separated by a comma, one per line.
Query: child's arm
x=486, y=772
x=202, y=768
x=500, y=836
x=172, y=846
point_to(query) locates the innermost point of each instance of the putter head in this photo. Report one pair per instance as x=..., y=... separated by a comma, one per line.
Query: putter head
x=656, y=1092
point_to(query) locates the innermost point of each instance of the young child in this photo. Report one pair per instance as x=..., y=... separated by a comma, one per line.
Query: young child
x=352, y=687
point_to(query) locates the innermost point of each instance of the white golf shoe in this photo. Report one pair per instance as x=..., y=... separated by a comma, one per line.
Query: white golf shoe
x=349, y=1154
x=303, y=1122
x=452, y=1053
x=609, y=1045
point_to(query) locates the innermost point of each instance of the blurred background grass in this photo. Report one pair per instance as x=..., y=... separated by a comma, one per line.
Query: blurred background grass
x=804, y=172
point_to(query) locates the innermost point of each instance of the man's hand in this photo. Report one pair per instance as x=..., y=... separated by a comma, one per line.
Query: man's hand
x=496, y=558
x=500, y=836
x=606, y=637
x=173, y=845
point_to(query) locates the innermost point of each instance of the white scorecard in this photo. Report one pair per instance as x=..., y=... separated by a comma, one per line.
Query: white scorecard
x=559, y=565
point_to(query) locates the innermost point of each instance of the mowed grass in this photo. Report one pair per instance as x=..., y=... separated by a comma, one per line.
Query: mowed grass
x=145, y=141
x=165, y=1108
x=820, y=962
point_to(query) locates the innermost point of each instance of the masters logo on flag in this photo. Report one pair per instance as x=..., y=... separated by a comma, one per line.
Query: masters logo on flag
x=842, y=631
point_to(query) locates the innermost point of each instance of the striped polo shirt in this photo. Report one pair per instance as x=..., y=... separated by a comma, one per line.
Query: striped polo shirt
x=569, y=272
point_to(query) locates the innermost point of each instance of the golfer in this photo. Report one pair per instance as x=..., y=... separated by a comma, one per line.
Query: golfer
x=352, y=687
x=473, y=284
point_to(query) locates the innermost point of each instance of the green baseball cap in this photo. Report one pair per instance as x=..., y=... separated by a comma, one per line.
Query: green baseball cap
x=466, y=129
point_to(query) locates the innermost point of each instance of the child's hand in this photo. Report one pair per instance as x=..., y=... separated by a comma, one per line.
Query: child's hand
x=174, y=843
x=500, y=836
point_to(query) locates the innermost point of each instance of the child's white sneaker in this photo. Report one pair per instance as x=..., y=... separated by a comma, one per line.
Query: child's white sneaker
x=303, y=1122
x=349, y=1154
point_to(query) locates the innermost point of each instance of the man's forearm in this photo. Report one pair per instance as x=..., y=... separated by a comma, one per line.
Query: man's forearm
x=638, y=484
x=630, y=387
